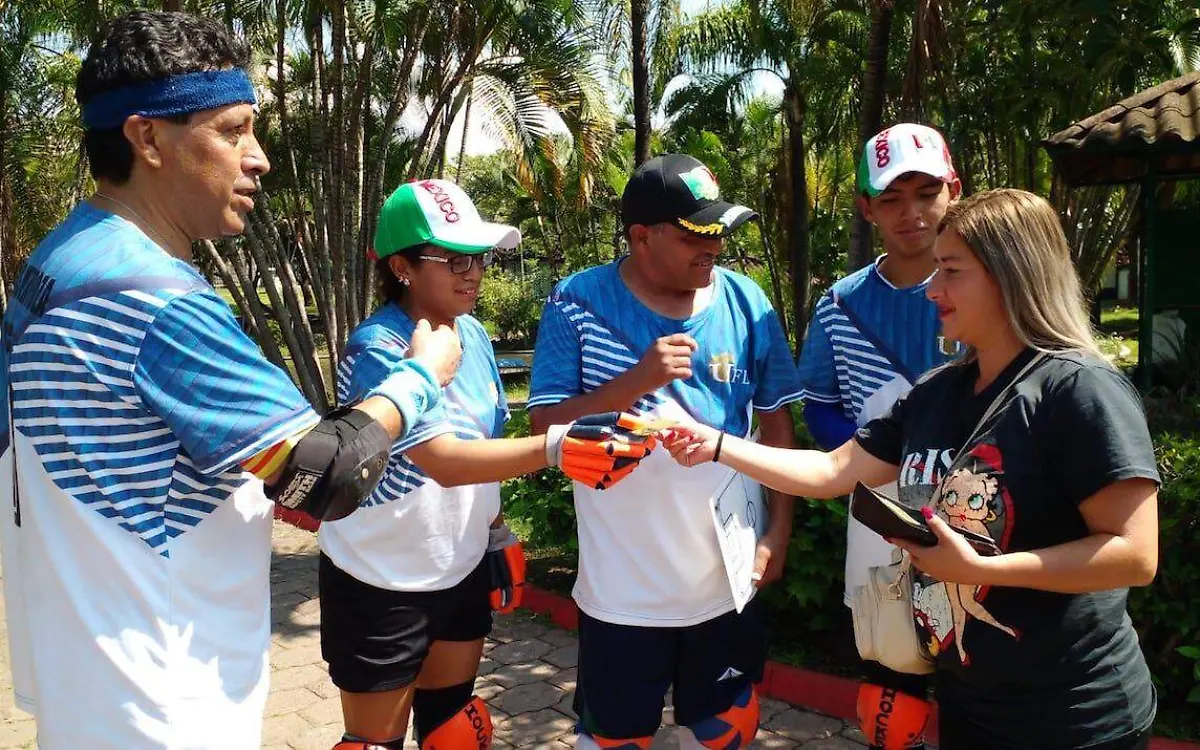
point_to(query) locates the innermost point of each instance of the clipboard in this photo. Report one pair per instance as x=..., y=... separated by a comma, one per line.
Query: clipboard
x=739, y=516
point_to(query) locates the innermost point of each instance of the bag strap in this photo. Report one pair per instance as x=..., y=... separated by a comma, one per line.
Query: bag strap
x=871, y=337
x=991, y=410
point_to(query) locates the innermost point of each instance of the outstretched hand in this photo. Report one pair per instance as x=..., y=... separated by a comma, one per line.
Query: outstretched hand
x=690, y=444
x=600, y=450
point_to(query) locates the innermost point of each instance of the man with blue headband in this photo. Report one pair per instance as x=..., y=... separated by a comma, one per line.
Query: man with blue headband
x=144, y=436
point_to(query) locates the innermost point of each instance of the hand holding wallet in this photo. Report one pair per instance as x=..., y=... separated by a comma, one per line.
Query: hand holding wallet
x=891, y=520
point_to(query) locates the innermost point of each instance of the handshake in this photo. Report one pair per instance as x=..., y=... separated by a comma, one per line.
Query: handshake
x=600, y=450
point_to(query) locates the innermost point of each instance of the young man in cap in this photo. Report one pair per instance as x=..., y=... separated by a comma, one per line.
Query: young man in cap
x=666, y=332
x=141, y=422
x=872, y=335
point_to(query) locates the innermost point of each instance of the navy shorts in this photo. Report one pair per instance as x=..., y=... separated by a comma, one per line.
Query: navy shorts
x=375, y=639
x=625, y=671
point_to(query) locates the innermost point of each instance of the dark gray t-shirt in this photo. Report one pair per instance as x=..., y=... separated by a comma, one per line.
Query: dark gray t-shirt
x=1030, y=668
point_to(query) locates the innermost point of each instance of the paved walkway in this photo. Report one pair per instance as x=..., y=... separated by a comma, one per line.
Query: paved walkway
x=527, y=677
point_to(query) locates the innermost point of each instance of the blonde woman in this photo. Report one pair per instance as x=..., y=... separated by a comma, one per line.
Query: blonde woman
x=1033, y=647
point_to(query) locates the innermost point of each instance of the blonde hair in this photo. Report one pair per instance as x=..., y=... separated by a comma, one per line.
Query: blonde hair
x=1018, y=238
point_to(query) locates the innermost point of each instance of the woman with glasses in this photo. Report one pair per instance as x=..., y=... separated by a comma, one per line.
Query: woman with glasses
x=409, y=581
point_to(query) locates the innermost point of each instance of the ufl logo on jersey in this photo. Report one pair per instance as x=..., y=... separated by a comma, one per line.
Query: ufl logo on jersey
x=948, y=347
x=723, y=370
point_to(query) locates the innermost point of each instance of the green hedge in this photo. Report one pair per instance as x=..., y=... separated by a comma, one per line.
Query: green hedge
x=808, y=601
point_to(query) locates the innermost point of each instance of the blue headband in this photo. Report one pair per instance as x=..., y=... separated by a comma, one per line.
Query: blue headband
x=166, y=97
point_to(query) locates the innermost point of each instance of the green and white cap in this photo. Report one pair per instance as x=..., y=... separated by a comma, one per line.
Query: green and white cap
x=903, y=148
x=437, y=212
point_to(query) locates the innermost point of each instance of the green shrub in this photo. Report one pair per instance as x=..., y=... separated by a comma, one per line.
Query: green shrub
x=1167, y=613
x=540, y=506
x=510, y=306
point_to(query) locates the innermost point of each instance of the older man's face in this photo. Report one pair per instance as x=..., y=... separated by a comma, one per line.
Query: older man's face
x=212, y=164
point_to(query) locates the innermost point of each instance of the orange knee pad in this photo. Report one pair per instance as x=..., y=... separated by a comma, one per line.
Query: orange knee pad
x=733, y=728
x=469, y=729
x=891, y=719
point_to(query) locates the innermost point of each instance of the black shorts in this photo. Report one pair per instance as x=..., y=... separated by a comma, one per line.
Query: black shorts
x=375, y=639
x=625, y=670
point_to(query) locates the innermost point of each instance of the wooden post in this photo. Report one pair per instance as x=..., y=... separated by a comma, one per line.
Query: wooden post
x=1146, y=303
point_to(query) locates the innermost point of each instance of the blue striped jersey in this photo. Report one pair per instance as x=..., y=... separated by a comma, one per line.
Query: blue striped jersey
x=864, y=373
x=840, y=365
x=648, y=554
x=410, y=533
x=593, y=329
x=135, y=396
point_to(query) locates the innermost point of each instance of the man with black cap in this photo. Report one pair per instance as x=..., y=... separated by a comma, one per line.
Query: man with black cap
x=666, y=333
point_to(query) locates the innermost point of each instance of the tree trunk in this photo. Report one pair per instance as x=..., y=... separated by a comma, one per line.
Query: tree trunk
x=399, y=102
x=870, y=119
x=255, y=241
x=456, y=106
x=172, y=5
x=447, y=91
x=8, y=245
x=462, y=146
x=797, y=234
x=253, y=305
x=337, y=186
x=313, y=257
x=639, y=11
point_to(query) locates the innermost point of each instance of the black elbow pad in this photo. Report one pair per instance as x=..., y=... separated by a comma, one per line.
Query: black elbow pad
x=335, y=466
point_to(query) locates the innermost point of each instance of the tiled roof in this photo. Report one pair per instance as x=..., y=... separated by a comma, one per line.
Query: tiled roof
x=1161, y=123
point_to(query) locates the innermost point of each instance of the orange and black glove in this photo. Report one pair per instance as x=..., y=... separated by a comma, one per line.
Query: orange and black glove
x=506, y=565
x=600, y=450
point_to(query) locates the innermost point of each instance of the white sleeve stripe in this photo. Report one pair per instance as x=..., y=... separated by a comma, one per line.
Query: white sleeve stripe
x=808, y=395
x=789, y=398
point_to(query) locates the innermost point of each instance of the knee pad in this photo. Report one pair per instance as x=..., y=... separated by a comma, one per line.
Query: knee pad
x=733, y=728
x=433, y=708
x=891, y=719
x=587, y=741
x=470, y=728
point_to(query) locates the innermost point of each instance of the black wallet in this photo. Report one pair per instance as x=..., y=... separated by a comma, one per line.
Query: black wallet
x=891, y=520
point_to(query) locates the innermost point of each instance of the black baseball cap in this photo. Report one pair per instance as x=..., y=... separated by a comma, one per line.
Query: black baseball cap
x=678, y=189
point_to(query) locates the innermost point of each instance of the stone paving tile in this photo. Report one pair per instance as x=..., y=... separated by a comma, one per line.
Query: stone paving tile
x=516, y=652
x=564, y=657
x=513, y=675
x=803, y=726
x=525, y=699
x=527, y=677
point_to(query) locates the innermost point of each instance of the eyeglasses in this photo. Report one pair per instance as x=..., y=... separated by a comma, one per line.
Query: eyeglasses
x=461, y=263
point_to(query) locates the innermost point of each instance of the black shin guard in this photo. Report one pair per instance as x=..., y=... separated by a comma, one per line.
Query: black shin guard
x=433, y=708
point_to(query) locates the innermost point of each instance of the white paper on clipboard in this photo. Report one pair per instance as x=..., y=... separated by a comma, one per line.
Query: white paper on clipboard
x=740, y=517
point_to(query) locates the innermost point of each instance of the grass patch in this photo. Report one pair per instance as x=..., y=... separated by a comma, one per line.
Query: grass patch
x=516, y=388
x=549, y=568
x=1119, y=321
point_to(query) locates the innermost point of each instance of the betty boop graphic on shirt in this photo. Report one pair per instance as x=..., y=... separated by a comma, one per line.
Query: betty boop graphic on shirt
x=974, y=501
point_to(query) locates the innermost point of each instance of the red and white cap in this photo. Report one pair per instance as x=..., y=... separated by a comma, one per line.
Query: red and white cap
x=903, y=148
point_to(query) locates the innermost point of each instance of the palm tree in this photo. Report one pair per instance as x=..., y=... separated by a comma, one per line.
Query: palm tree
x=633, y=35
x=871, y=115
x=803, y=44
x=334, y=122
